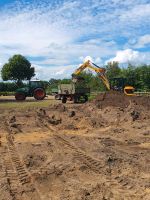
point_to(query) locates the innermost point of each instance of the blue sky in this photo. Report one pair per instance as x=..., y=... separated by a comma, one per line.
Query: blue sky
x=57, y=35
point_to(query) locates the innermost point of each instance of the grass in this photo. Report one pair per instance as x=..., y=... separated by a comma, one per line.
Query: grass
x=91, y=97
x=94, y=94
x=26, y=104
x=7, y=103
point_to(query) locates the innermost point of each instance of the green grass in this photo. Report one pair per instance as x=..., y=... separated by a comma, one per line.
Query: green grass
x=94, y=94
x=6, y=93
x=7, y=103
x=26, y=104
x=91, y=97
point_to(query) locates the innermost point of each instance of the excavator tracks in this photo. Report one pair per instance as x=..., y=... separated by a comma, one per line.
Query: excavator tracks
x=92, y=163
x=97, y=167
x=19, y=181
x=3, y=193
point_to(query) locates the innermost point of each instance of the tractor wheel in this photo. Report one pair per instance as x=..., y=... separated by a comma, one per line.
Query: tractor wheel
x=85, y=98
x=57, y=97
x=64, y=100
x=75, y=99
x=20, y=96
x=39, y=94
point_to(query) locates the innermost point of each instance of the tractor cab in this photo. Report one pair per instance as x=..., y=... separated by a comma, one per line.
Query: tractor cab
x=35, y=84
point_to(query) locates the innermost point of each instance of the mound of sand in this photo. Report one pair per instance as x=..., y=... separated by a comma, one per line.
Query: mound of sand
x=117, y=99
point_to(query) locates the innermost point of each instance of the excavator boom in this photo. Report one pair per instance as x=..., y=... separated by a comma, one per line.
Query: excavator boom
x=101, y=72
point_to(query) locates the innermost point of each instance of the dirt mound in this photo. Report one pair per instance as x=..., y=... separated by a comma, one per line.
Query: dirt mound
x=111, y=99
x=117, y=99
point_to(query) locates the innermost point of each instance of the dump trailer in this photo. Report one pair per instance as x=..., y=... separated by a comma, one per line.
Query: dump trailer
x=73, y=92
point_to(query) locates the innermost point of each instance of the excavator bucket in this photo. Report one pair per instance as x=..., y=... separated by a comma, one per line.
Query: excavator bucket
x=129, y=90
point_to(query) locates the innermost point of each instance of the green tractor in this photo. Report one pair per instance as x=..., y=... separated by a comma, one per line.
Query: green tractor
x=35, y=89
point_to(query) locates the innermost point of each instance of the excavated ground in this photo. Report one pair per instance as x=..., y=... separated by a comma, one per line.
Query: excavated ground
x=95, y=151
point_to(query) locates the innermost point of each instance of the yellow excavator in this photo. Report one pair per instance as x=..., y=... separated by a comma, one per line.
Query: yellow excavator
x=101, y=72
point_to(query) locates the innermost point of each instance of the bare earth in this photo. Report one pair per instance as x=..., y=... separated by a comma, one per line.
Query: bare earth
x=96, y=151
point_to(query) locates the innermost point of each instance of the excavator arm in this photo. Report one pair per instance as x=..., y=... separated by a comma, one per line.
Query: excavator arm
x=100, y=72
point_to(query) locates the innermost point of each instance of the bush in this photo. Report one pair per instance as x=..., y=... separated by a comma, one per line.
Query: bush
x=7, y=93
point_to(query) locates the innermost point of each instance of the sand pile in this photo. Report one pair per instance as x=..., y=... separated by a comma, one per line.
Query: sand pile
x=117, y=99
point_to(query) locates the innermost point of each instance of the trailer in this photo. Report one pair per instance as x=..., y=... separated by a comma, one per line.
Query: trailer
x=73, y=92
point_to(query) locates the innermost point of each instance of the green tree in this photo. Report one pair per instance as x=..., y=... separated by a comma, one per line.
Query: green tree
x=65, y=81
x=54, y=81
x=130, y=75
x=142, y=80
x=92, y=81
x=18, y=69
x=113, y=70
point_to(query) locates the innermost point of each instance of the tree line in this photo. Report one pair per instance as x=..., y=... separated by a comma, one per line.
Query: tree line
x=136, y=76
x=19, y=69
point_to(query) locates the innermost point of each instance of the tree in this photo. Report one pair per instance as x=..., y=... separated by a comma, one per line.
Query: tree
x=92, y=81
x=142, y=80
x=130, y=75
x=65, y=81
x=54, y=81
x=113, y=70
x=18, y=68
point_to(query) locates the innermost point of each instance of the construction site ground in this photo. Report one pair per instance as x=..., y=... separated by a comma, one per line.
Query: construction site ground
x=99, y=150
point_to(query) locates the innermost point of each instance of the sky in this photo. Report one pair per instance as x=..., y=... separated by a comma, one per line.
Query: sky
x=57, y=35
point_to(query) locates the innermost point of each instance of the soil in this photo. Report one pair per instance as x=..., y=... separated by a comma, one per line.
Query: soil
x=93, y=151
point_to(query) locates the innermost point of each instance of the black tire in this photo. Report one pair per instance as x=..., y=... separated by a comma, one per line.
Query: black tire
x=75, y=99
x=64, y=100
x=85, y=98
x=57, y=97
x=39, y=94
x=20, y=96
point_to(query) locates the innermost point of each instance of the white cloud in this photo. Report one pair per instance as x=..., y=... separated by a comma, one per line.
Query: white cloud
x=65, y=33
x=96, y=60
x=129, y=56
x=51, y=33
x=88, y=58
x=143, y=41
x=46, y=73
x=136, y=14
